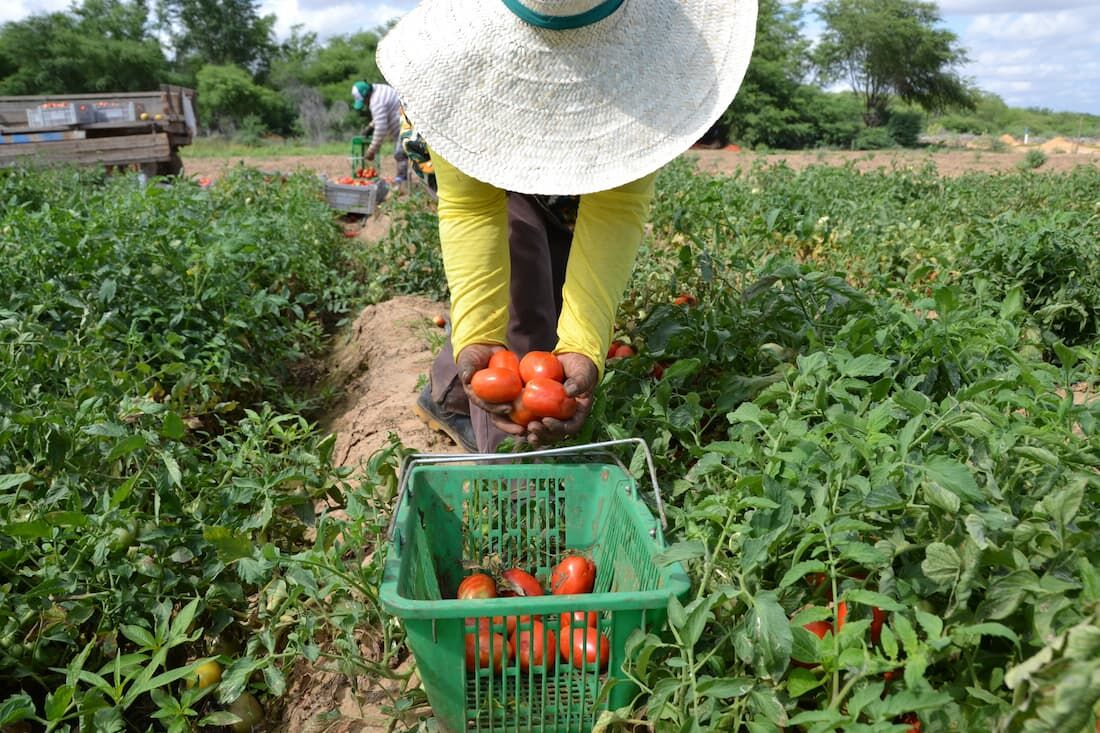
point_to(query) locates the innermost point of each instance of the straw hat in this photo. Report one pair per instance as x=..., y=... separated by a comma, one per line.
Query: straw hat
x=567, y=96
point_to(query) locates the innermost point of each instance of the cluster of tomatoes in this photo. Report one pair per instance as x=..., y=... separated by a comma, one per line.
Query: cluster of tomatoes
x=527, y=639
x=363, y=177
x=533, y=385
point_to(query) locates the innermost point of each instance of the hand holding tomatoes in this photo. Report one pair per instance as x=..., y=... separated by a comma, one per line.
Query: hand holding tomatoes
x=581, y=376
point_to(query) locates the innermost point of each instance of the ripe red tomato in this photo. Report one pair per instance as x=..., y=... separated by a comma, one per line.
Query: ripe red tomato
x=574, y=574
x=878, y=618
x=611, y=349
x=505, y=360
x=818, y=628
x=486, y=649
x=546, y=398
x=521, y=582
x=440, y=321
x=684, y=299
x=536, y=646
x=580, y=618
x=584, y=646
x=841, y=615
x=496, y=385
x=913, y=721
x=478, y=585
x=623, y=351
x=520, y=415
x=540, y=364
x=658, y=370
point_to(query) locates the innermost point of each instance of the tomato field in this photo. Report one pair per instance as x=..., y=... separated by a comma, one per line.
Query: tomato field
x=870, y=397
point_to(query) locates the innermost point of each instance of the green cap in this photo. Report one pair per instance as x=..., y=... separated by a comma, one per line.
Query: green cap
x=360, y=91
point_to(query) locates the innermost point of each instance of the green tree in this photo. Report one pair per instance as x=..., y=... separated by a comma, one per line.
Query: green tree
x=218, y=32
x=232, y=100
x=100, y=46
x=887, y=48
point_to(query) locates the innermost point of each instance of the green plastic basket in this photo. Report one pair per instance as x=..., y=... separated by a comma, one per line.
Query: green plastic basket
x=526, y=515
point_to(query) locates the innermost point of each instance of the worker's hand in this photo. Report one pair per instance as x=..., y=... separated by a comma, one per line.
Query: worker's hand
x=469, y=361
x=369, y=155
x=580, y=382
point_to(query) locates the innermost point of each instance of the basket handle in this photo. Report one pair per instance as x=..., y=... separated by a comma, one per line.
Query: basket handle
x=427, y=459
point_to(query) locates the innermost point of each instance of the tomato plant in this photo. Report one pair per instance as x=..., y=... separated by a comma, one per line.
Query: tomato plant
x=540, y=364
x=574, y=574
x=546, y=398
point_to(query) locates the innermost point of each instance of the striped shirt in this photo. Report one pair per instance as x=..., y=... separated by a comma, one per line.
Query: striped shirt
x=385, y=110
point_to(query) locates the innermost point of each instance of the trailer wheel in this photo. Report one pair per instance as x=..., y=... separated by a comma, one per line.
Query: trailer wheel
x=171, y=167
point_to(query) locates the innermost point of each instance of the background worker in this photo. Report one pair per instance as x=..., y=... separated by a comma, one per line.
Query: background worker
x=524, y=100
x=384, y=106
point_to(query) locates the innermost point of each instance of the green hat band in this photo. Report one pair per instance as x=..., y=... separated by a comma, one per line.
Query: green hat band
x=562, y=22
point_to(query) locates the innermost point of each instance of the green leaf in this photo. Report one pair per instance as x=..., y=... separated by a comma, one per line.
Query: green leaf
x=769, y=633
x=37, y=529
x=698, y=615
x=18, y=706
x=953, y=476
x=126, y=446
x=172, y=426
x=723, y=688
x=867, y=365
x=230, y=546
x=1005, y=594
x=677, y=617
x=107, y=290
x=681, y=552
x=57, y=702
x=932, y=624
x=276, y=681
x=173, y=469
x=1037, y=454
x=801, y=680
x=178, y=631
x=10, y=481
x=941, y=498
x=801, y=570
x=139, y=635
x=876, y=600
x=970, y=635
x=942, y=563
x=1064, y=504
x=864, y=696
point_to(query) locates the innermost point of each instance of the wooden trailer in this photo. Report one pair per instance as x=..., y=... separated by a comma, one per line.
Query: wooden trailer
x=144, y=130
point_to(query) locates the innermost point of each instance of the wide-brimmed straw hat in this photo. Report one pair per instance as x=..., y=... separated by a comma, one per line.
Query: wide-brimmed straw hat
x=567, y=96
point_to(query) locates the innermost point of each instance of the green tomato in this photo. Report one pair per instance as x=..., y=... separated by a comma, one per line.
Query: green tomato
x=247, y=708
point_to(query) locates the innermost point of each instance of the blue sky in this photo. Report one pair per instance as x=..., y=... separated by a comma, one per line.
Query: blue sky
x=1033, y=53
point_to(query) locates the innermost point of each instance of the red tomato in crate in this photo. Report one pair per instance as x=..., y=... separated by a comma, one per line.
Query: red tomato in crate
x=505, y=360
x=478, y=585
x=546, y=398
x=521, y=582
x=540, y=364
x=535, y=647
x=574, y=574
x=584, y=647
x=496, y=385
x=486, y=649
x=580, y=618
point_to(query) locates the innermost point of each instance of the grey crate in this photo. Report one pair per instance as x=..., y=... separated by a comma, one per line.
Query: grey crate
x=58, y=114
x=118, y=111
x=355, y=199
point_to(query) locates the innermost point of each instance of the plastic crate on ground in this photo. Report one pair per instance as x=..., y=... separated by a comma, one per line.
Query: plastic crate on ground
x=355, y=199
x=525, y=515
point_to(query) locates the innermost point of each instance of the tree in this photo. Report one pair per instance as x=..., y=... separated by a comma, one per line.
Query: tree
x=219, y=32
x=101, y=46
x=887, y=48
x=231, y=99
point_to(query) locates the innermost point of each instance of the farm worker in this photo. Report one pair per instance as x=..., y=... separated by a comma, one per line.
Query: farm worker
x=384, y=105
x=532, y=107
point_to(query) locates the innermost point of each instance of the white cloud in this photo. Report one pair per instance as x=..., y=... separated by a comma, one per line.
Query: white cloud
x=19, y=9
x=328, y=19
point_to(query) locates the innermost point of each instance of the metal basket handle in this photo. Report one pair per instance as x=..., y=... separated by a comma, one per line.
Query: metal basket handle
x=427, y=459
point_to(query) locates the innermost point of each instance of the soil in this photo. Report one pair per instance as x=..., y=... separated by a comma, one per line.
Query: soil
x=380, y=362
x=1062, y=155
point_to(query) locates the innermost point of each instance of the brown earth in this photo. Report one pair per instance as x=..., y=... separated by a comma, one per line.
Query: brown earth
x=1060, y=158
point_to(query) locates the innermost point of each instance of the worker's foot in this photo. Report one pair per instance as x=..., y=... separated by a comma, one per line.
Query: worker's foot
x=457, y=427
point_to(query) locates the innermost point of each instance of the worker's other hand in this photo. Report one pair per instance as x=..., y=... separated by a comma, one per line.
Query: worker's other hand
x=369, y=155
x=472, y=359
x=580, y=381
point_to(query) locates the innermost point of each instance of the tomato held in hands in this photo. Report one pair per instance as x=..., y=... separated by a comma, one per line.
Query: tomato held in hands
x=574, y=574
x=540, y=364
x=520, y=415
x=505, y=360
x=546, y=398
x=584, y=646
x=496, y=385
x=535, y=647
x=478, y=585
x=521, y=582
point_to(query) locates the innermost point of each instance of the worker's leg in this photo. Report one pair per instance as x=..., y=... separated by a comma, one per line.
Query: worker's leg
x=401, y=159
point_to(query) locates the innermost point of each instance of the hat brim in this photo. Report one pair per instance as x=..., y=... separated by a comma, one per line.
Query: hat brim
x=567, y=111
x=358, y=104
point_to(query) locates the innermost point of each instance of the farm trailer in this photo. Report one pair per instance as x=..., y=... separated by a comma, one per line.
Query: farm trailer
x=140, y=129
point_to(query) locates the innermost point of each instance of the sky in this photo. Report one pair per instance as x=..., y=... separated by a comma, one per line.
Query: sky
x=1032, y=53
